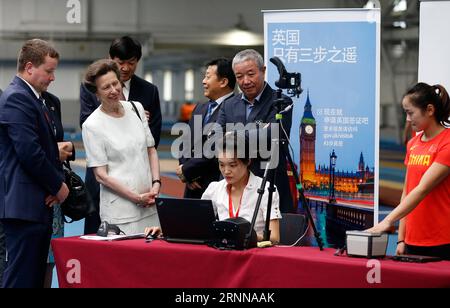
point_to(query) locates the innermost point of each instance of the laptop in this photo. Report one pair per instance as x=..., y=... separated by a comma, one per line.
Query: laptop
x=186, y=220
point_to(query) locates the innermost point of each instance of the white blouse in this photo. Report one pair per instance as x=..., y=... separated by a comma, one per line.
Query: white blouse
x=217, y=193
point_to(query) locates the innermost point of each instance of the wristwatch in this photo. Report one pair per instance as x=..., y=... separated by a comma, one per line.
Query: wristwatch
x=156, y=181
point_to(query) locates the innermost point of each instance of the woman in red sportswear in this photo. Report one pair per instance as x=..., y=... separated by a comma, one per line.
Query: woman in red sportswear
x=424, y=210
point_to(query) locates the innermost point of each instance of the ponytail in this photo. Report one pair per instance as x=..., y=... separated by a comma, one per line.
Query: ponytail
x=443, y=110
x=422, y=94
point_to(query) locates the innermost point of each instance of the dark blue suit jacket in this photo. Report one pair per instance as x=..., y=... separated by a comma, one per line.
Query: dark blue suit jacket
x=54, y=105
x=264, y=111
x=141, y=91
x=201, y=170
x=30, y=169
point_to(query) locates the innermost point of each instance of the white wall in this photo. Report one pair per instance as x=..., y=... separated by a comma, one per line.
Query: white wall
x=434, y=43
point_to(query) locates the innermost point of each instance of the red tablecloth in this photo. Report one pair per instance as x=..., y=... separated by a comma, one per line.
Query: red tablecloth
x=134, y=263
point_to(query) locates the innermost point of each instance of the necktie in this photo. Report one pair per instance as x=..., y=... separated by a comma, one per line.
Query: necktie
x=125, y=93
x=47, y=115
x=211, y=106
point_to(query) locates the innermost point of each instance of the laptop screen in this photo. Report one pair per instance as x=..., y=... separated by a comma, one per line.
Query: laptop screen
x=186, y=220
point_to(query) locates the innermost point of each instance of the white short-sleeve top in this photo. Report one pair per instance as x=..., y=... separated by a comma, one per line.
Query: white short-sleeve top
x=217, y=192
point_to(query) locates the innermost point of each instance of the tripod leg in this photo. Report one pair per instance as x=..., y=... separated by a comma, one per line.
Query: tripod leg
x=266, y=236
x=302, y=195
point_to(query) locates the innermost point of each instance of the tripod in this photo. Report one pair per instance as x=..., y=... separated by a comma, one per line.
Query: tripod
x=270, y=170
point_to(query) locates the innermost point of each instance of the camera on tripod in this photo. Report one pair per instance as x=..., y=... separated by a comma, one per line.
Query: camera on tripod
x=290, y=81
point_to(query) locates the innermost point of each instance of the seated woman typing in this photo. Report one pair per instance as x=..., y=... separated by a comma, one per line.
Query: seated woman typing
x=237, y=193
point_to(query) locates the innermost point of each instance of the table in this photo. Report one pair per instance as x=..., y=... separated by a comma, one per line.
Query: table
x=136, y=264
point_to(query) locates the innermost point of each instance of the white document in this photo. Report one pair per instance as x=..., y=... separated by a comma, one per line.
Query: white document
x=112, y=237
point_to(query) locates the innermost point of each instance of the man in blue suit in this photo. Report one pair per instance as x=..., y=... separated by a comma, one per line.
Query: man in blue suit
x=126, y=52
x=199, y=172
x=31, y=176
x=256, y=104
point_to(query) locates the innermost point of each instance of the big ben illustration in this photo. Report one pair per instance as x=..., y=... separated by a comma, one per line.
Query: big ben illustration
x=308, y=146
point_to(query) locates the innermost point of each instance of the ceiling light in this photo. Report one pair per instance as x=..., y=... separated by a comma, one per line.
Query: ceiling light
x=399, y=24
x=369, y=5
x=241, y=38
x=400, y=6
x=240, y=35
x=398, y=50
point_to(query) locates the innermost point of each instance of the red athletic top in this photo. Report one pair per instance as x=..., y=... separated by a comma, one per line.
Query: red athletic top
x=429, y=223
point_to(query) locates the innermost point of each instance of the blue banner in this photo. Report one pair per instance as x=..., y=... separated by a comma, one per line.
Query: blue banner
x=334, y=134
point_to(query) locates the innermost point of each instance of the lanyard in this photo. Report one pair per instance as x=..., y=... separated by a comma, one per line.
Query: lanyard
x=230, y=202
